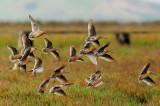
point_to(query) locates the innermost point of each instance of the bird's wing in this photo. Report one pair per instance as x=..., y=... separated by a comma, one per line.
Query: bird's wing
x=103, y=47
x=60, y=68
x=56, y=55
x=31, y=54
x=60, y=93
x=22, y=51
x=93, y=77
x=61, y=78
x=92, y=57
x=26, y=53
x=51, y=89
x=107, y=57
x=43, y=83
x=23, y=67
x=87, y=45
x=12, y=49
x=72, y=51
x=91, y=28
x=48, y=43
x=96, y=43
x=149, y=81
x=98, y=84
x=34, y=24
x=38, y=62
x=26, y=42
x=145, y=68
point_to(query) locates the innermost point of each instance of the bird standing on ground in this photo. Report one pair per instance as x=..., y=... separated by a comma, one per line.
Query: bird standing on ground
x=144, y=75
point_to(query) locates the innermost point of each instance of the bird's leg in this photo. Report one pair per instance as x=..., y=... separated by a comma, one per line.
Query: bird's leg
x=104, y=38
x=47, y=68
x=66, y=72
x=153, y=73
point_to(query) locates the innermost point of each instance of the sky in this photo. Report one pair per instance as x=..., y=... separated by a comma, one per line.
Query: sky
x=80, y=10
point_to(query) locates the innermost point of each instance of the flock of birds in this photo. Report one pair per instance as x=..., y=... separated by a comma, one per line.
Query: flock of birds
x=20, y=60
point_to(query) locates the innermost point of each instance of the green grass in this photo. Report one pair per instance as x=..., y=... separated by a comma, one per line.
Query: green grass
x=122, y=88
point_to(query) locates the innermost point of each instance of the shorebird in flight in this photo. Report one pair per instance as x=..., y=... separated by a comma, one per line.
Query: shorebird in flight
x=88, y=51
x=102, y=53
x=26, y=42
x=102, y=49
x=15, y=54
x=37, y=66
x=15, y=57
x=50, y=49
x=35, y=29
x=144, y=75
x=92, y=36
x=24, y=60
x=17, y=67
x=44, y=85
x=58, y=74
x=73, y=55
x=58, y=89
x=95, y=79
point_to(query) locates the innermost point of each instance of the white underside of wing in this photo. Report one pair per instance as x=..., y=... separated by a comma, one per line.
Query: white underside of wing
x=38, y=70
x=59, y=79
x=148, y=83
x=15, y=66
x=53, y=55
x=99, y=84
x=107, y=59
x=13, y=61
x=50, y=91
x=92, y=58
x=59, y=94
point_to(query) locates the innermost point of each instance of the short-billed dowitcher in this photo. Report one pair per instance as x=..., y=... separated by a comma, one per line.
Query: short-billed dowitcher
x=35, y=29
x=58, y=74
x=144, y=75
x=92, y=36
x=58, y=89
x=88, y=51
x=50, y=49
x=15, y=54
x=43, y=86
x=103, y=54
x=37, y=66
x=73, y=55
x=95, y=79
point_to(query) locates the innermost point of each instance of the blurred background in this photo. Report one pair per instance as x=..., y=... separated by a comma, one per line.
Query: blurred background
x=110, y=13
x=132, y=27
x=122, y=11
x=116, y=17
